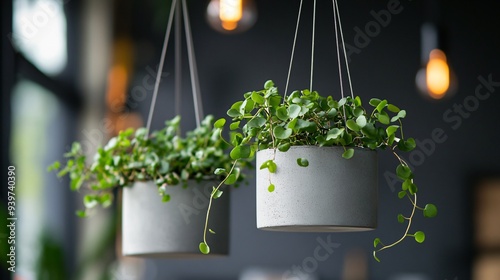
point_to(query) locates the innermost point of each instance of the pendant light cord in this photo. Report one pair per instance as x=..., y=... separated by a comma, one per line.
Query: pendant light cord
x=160, y=67
x=338, y=49
x=178, y=60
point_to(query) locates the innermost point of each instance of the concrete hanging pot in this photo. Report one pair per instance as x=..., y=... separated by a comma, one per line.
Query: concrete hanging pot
x=152, y=228
x=330, y=194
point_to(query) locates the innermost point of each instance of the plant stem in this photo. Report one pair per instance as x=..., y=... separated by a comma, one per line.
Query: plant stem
x=211, y=199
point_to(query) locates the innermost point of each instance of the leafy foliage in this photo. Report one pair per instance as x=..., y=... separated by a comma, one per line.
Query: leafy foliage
x=264, y=119
x=164, y=157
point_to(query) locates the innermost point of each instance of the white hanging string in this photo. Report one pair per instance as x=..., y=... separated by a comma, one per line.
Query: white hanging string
x=178, y=60
x=160, y=67
x=293, y=50
x=195, y=84
x=338, y=48
x=312, y=46
x=343, y=47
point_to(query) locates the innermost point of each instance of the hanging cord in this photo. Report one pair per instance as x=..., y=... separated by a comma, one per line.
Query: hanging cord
x=312, y=46
x=293, y=50
x=338, y=49
x=195, y=84
x=178, y=60
x=343, y=47
x=160, y=67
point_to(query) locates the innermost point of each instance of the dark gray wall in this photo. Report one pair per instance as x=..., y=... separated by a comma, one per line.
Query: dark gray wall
x=385, y=68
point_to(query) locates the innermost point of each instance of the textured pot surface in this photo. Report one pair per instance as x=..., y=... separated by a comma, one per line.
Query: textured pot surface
x=331, y=194
x=152, y=228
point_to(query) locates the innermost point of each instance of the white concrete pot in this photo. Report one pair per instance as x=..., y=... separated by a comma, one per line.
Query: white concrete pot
x=332, y=194
x=151, y=228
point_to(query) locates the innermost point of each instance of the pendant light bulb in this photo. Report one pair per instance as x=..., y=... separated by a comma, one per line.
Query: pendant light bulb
x=437, y=74
x=231, y=16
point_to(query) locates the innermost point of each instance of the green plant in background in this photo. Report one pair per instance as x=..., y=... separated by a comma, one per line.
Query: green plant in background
x=164, y=157
x=265, y=120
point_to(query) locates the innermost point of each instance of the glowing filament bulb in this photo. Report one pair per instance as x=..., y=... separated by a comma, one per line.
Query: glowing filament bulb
x=437, y=74
x=230, y=13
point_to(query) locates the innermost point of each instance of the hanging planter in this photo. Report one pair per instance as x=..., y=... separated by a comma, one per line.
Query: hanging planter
x=332, y=194
x=316, y=154
x=152, y=228
x=163, y=174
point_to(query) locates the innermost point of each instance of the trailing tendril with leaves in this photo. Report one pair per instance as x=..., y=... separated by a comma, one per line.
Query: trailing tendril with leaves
x=164, y=157
x=263, y=120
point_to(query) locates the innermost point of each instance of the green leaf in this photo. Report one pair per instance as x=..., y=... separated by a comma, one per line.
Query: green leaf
x=204, y=249
x=348, y=153
x=410, y=143
x=54, y=166
x=334, y=133
x=240, y=152
x=361, y=121
x=419, y=236
x=391, y=129
x=90, y=201
x=402, y=114
x=282, y=133
x=374, y=102
x=165, y=198
x=216, y=193
x=284, y=147
x=381, y=105
x=406, y=184
x=81, y=213
x=393, y=108
x=357, y=101
x=220, y=171
x=234, y=125
x=269, y=84
x=430, y=211
x=271, y=165
x=403, y=172
x=256, y=122
x=220, y=123
x=211, y=231
x=106, y=200
x=383, y=119
x=282, y=113
x=376, y=241
x=231, y=179
x=271, y=188
x=294, y=111
x=257, y=98
x=412, y=189
x=302, y=162
x=233, y=113
x=352, y=125
x=401, y=194
x=401, y=219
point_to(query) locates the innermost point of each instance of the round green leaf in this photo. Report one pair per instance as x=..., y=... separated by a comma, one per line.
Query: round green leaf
x=231, y=179
x=220, y=123
x=270, y=188
x=334, y=133
x=282, y=133
x=302, y=162
x=401, y=194
x=233, y=113
x=282, y=113
x=383, y=119
x=257, y=98
x=430, y=211
x=234, y=125
x=393, y=108
x=256, y=122
x=403, y=172
x=240, y=152
x=348, y=153
x=284, y=147
x=269, y=84
x=391, y=129
x=361, y=121
x=401, y=218
x=376, y=241
x=352, y=125
x=204, y=249
x=294, y=111
x=381, y=106
x=374, y=102
x=219, y=171
x=419, y=236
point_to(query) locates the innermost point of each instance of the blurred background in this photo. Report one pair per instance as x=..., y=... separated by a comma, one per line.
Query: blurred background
x=84, y=70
